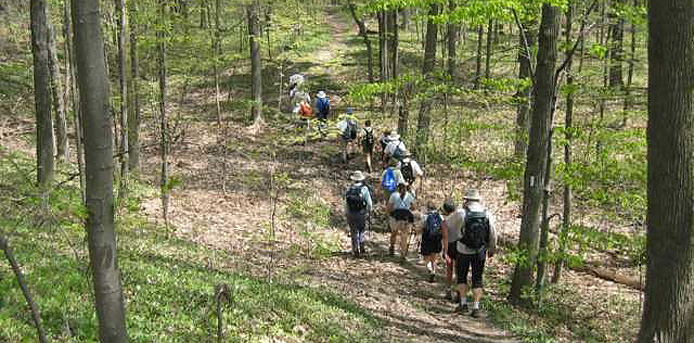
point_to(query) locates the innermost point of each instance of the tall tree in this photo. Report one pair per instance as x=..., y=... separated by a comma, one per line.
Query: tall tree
x=452, y=39
x=668, y=312
x=134, y=95
x=57, y=92
x=101, y=234
x=616, y=45
x=488, y=54
x=123, y=79
x=535, y=168
x=256, y=69
x=427, y=69
x=478, y=59
x=363, y=32
x=568, y=135
x=526, y=43
x=164, y=127
x=40, y=35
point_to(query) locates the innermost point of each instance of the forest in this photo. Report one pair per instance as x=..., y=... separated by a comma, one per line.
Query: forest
x=169, y=171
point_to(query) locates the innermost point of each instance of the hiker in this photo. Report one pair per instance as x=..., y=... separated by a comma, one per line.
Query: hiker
x=451, y=234
x=367, y=143
x=358, y=206
x=478, y=240
x=384, y=142
x=399, y=211
x=395, y=148
x=390, y=178
x=410, y=169
x=322, y=106
x=302, y=103
x=431, y=239
x=348, y=132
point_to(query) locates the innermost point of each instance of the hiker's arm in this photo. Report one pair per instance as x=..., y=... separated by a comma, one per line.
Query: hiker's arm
x=444, y=237
x=367, y=196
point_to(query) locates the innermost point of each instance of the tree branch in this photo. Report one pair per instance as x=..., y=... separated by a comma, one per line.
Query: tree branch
x=525, y=43
x=581, y=36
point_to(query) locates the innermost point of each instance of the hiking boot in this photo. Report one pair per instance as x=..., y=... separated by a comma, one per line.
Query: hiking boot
x=475, y=313
x=462, y=309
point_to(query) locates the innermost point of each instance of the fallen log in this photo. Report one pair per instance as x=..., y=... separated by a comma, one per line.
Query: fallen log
x=611, y=275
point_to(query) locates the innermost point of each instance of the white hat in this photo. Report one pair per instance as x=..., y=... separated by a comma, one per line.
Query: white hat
x=357, y=176
x=472, y=195
x=394, y=136
x=321, y=95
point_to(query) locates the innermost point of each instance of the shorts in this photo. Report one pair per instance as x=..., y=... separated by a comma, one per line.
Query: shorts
x=367, y=148
x=476, y=261
x=430, y=247
x=452, y=251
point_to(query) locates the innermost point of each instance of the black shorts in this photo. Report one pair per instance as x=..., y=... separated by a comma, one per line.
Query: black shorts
x=452, y=251
x=463, y=263
x=430, y=247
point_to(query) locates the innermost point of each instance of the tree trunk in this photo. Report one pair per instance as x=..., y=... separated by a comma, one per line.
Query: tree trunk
x=453, y=34
x=74, y=98
x=630, y=72
x=216, y=40
x=488, y=57
x=164, y=130
x=535, y=169
x=524, y=95
x=424, y=119
x=668, y=312
x=122, y=76
x=568, y=135
x=478, y=61
x=35, y=314
x=544, y=225
x=42, y=94
x=256, y=69
x=616, y=47
x=363, y=32
x=60, y=121
x=394, y=45
x=101, y=234
x=134, y=93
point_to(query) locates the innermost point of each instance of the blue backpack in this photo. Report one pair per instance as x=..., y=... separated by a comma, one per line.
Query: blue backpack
x=388, y=182
x=432, y=230
x=323, y=105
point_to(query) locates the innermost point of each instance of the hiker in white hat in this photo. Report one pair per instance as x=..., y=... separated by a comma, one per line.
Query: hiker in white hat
x=474, y=230
x=395, y=148
x=358, y=206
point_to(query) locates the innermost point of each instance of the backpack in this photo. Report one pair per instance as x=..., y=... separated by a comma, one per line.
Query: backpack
x=355, y=200
x=407, y=172
x=388, y=182
x=368, y=138
x=476, y=230
x=350, y=131
x=305, y=109
x=323, y=105
x=398, y=152
x=432, y=229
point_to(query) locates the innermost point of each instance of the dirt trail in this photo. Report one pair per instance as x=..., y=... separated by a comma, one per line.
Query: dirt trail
x=238, y=220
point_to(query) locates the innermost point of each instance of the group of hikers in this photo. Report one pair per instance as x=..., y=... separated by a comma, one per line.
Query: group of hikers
x=463, y=237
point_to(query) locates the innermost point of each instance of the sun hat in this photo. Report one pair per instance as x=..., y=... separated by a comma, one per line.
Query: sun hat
x=321, y=95
x=394, y=136
x=472, y=195
x=357, y=176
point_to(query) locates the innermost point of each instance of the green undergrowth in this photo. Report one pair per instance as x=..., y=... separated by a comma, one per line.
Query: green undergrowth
x=169, y=284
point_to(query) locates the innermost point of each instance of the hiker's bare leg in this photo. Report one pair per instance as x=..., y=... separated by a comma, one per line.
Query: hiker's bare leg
x=368, y=162
x=344, y=150
x=430, y=263
x=393, y=234
x=405, y=238
x=477, y=294
x=462, y=290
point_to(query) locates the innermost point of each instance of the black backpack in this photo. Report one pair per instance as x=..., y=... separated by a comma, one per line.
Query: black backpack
x=355, y=201
x=407, y=172
x=476, y=230
x=368, y=138
x=351, y=130
x=432, y=229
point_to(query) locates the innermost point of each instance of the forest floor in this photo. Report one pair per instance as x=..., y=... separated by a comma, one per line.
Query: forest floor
x=226, y=201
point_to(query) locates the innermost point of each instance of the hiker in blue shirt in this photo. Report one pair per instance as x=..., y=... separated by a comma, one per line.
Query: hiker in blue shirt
x=322, y=106
x=390, y=179
x=358, y=206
